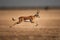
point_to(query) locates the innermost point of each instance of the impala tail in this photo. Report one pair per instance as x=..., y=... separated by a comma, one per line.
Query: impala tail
x=13, y=19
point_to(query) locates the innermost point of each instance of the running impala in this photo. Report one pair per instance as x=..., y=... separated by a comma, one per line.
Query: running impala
x=26, y=18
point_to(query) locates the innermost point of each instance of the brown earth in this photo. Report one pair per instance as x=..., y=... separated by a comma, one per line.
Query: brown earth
x=48, y=25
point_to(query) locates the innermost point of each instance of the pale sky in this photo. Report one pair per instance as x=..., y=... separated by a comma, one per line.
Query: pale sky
x=29, y=3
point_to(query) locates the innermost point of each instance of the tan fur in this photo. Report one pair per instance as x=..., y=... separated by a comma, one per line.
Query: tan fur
x=24, y=18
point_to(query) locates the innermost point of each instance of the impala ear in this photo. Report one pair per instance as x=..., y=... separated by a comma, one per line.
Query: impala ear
x=38, y=11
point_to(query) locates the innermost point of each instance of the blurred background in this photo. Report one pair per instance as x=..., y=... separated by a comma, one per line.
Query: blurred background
x=29, y=3
x=48, y=24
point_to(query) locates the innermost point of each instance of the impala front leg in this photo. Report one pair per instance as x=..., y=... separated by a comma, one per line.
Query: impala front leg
x=36, y=25
x=31, y=21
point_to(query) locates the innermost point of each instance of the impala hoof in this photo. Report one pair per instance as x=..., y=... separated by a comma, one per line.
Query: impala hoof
x=36, y=25
x=10, y=26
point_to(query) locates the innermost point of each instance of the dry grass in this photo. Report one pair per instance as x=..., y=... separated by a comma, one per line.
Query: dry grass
x=48, y=25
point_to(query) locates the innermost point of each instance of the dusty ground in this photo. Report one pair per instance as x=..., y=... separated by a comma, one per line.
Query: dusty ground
x=48, y=25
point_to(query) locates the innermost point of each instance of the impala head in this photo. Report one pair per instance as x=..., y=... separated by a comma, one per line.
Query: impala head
x=37, y=15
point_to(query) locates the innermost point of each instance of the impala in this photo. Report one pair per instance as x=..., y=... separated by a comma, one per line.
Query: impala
x=26, y=18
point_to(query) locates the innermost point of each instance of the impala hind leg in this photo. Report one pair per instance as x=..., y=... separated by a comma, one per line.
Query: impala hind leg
x=20, y=20
x=15, y=24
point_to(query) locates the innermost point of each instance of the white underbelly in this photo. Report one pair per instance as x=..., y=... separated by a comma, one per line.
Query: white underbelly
x=27, y=20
